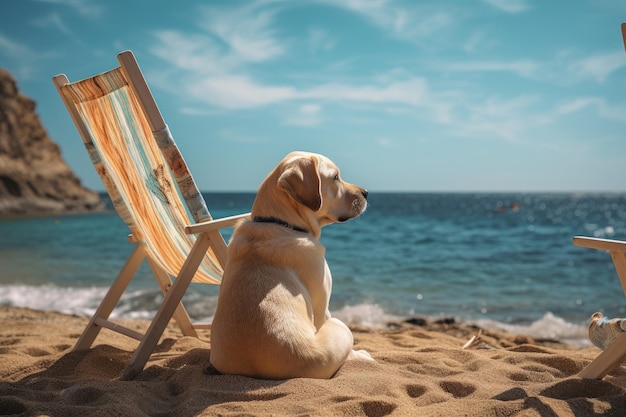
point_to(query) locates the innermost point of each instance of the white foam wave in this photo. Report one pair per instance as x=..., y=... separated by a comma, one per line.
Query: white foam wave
x=369, y=315
x=547, y=327
x=81, y=301
x=141, y=304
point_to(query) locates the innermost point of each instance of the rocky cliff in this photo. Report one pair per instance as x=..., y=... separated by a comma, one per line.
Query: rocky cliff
x=34, y=179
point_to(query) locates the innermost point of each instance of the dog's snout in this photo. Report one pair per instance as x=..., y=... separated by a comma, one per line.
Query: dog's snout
x=365, y=193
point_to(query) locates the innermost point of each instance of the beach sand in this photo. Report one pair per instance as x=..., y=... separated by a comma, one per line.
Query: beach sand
x=420, y=370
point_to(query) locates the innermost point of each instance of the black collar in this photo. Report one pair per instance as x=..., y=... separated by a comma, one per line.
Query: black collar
x=274, y=220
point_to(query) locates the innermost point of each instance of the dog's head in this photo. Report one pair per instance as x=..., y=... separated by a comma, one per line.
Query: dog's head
x=306, y=190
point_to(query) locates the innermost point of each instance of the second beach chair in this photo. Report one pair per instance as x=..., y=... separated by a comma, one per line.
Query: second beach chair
x=602, y=331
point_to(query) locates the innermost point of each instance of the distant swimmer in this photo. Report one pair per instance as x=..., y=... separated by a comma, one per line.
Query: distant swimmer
x=515, y=206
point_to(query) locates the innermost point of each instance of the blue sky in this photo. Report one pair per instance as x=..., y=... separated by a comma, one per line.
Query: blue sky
x=492, y=95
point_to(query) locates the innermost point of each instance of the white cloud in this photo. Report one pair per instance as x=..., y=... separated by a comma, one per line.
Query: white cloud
x=434, y=23
x=525, y=68
x=216, y=57
x=598, y=67
x=610, y=112
x=216, y=60
x=307, y=115
x=509, y=6
x=496, y=107
x=563, y=69
x=14, y=49
x=385, y=142
x=407, y=23
x=85, y=8
x=478, y=41
x=508, y=118
x=217, y=76
x=319, y=40
x=247, y=31
x=310, y=109
x=575, y=105
x=197, y=53
x=22, y=57
x=53, y=20
x=411, y=92
x=237, y=92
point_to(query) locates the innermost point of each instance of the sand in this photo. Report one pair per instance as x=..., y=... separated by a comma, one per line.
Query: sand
x=421, y=369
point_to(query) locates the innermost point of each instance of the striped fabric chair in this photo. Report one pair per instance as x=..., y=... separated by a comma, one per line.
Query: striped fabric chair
x=152, y=190
x=601, y=330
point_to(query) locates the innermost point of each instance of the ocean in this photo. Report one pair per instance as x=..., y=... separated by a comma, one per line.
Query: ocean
x=501, y=261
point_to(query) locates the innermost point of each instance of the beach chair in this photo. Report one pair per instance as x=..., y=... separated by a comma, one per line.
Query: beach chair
x=152, y=190
x=615, y=353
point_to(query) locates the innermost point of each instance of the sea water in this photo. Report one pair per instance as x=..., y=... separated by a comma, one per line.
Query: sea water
x=503, y=261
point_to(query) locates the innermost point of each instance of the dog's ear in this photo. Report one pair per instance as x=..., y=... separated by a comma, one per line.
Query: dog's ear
x=301, y=180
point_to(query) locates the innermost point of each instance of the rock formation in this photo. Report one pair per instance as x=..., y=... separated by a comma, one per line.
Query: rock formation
x=34, y=179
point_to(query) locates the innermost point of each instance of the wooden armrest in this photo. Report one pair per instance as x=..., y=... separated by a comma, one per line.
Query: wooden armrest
x=217, y=224
x=601, y=244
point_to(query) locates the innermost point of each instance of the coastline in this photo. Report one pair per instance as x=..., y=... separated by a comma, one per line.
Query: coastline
x=421, y=367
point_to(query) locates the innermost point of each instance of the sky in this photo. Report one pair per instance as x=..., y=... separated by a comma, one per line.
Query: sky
x=404, y=95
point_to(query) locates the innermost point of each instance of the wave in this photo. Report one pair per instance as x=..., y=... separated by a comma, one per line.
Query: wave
x=83, y=301
x=142, y=304
x=80, y=301
x=547, y=327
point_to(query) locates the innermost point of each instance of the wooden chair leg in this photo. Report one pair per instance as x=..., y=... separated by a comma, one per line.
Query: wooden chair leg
x=170, y=303
x=111, y=298
x=607, y=360
x=180, y=315
x=619, y=261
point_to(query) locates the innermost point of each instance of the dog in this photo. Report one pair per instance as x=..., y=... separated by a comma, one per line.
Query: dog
x=272, y=319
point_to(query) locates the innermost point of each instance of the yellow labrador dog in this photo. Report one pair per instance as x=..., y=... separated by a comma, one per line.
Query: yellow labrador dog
x=272, y=319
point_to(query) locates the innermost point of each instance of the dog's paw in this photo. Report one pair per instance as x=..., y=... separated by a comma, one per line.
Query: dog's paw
x=360, y=355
